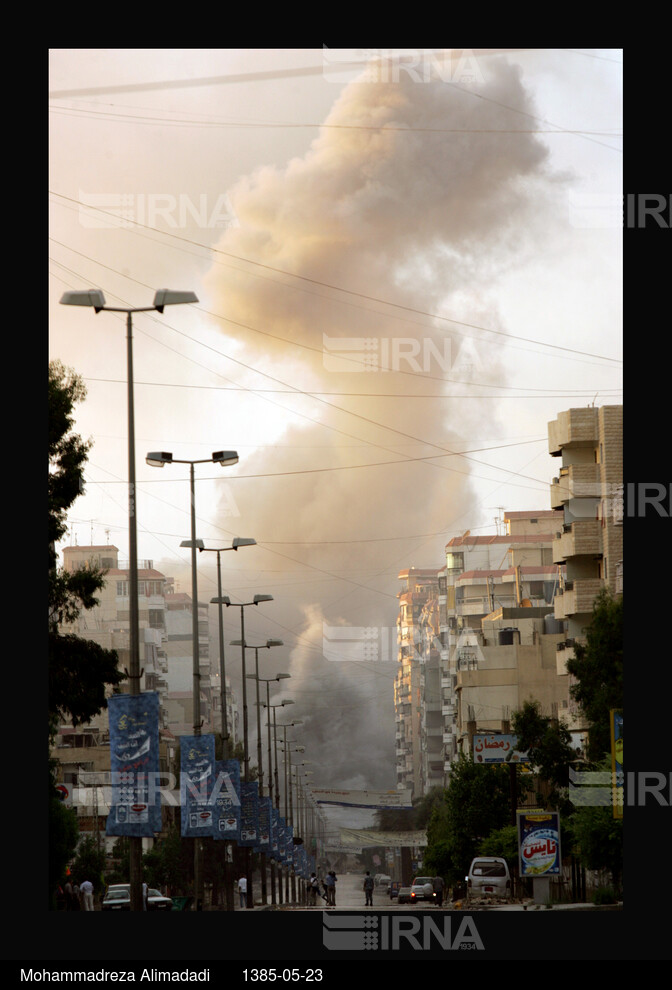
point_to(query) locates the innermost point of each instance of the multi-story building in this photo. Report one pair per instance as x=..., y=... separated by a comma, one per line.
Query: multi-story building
x=485, y=576
x=420, y=586
x=587, y=497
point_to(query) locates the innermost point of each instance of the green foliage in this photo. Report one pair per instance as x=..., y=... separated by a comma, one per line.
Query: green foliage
x=79, y=669
x=89, y=864
x=548, y=744
x=476, y=802
x=63, y=836
x=169, y=864
x=67, y=452
x=597, y=667
x=503, y=843
x=597, y=837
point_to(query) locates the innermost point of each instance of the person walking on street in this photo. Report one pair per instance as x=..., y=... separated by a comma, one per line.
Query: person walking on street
x=69, y=896
x=438, y=886
x=87, y=895
x=313, y=888
x=330, y=883
x=242, y=891
x=368, y=889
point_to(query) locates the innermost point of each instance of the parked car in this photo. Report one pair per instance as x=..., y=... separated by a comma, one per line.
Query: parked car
x=422, y=889
x=404, y=895
x=382, y=880
x=489, y=877
x=157, y=902
x=118, y=898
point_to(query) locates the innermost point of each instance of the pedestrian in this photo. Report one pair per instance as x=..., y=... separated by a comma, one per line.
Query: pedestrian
x=313, y=888
x=86, y=890
x=76, y=906
x=368, y=889
x=438, y=886
x=330, y=888
x=242, y=891
x=144, y=897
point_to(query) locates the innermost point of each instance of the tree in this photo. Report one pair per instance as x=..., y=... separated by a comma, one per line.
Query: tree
x=598, y=837
x=477, y=802
x=548, y=744
x=79, y=669
x=597, y=667
x=89, y=864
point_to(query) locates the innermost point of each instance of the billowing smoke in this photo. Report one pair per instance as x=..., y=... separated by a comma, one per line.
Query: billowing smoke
x=412, y=201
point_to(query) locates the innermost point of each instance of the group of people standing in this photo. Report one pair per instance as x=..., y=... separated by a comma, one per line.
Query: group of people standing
x=78, y=897
x=328, y=888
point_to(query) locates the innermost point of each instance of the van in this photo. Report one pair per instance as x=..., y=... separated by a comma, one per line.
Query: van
x=489, y=877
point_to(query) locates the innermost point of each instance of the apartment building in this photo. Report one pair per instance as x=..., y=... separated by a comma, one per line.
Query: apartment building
x=587, y=498
x=419, y=588
x=486, y=576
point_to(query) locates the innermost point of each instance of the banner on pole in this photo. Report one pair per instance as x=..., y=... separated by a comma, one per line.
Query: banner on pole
x=249, y=813
x=227, y=800
x=197, y=778
x=135, y=807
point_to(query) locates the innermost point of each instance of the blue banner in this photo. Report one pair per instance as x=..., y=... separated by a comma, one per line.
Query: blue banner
x=197, y=779
x=249, y=819
x=135, y=807
x=282, y=825
x=227, y=800
x=275, y=816
x=264, y=836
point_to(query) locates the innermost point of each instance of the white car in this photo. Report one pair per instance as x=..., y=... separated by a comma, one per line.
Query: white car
x=489, y=877
x=422, y=889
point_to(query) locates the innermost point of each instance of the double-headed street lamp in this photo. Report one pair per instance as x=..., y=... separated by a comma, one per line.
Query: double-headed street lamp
x=257, y=600
x=226, y=458
x=274, y=791
x=239, y=541
x=260, y=763
x=96, y=299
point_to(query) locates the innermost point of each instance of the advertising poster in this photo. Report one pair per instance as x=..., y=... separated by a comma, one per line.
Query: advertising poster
x=249, y=813
x=539, y=844
x=134, y=764
x=264, y=836
x=227, y=800
x=197, y=778
x=497, y=748
x=617, y=761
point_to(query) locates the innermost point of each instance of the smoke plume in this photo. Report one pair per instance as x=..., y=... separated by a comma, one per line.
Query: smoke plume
x=414, y=198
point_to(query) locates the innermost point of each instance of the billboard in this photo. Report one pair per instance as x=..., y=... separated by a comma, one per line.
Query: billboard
x=539, y=843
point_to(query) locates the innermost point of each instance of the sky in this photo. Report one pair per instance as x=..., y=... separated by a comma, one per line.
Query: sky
x=407, y=263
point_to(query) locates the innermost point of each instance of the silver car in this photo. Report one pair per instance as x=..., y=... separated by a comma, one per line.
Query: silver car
x=489, y=877
x=422, y=889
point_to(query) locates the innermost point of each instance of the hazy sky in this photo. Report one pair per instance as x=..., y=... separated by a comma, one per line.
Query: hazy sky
x=405, y=270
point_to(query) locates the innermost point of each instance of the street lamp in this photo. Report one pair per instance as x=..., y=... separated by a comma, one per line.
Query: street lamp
x=96, y=299
x=239, y=541
x=257, y=600
x=159, y=459
x=267, y=646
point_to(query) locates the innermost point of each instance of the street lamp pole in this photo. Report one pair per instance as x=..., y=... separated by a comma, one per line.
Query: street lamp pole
x=96, y=299
x=159, y=459
x=260, y=763
x=225, y=600
x=239, y=541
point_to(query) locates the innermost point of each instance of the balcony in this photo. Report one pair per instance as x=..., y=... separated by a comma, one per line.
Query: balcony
x=580, y=538
x=575, y=481
x=577, y=597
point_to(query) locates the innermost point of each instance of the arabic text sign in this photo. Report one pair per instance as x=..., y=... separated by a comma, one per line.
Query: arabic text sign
x=197, y=756
x=497, y=748
x=539, y=844
x=134, y=763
